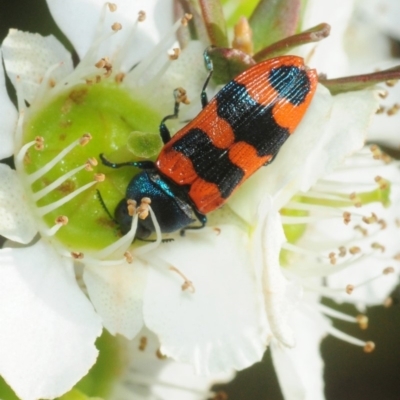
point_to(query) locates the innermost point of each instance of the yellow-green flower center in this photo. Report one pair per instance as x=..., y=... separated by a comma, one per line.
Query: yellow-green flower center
x=122, y=126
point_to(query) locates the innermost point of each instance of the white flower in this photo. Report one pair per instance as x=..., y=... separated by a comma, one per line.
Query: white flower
x=214, y=298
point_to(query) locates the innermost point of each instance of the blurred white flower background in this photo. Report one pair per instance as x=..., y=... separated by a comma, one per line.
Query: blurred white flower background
x=365, y=37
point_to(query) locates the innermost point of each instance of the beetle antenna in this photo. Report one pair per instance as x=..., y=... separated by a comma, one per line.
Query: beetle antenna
x=103, y=204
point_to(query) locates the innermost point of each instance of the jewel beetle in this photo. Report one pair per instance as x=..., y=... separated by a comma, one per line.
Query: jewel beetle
x=240, y=130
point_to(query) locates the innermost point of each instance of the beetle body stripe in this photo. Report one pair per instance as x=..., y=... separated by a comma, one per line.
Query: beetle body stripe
x=241, y=129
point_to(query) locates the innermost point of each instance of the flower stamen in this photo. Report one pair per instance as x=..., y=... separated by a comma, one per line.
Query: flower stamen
x=187, y=284
x=60, y=221
x=82, y=141
x=38, y=143
x=156, y=51
x=41, y=193
x=51, y=207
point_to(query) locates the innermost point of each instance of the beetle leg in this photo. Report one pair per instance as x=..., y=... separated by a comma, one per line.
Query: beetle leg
x=210, y=68
x=137, y=164
x=103, y=204
x=164, y=131
x=203, y=220
x=270, y=160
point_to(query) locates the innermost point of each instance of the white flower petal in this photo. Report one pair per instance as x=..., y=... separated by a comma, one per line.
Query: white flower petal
x=80, y=20
x=328, y=55
x=16, y=220
x=29, y=55
x=221, y=325
x=152, y=376
x=280, y=294
x=179, y=75
x=300, y=369
x=8, y=118
x=117, y=294
x=333, y=127
x=384, y=13
x=48, y=327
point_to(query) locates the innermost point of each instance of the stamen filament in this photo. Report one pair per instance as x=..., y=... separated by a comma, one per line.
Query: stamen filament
x=337, y=314
x=60, y=221
x=19, y=129
x=41, y=193
x=44, y=85
x=151, y=246
x=317, y=270
x=19, y=158
x=53, y=206
x=156, y=51
x=307, y=220
x=345, y=337
x=42, y=171
x=123, y=243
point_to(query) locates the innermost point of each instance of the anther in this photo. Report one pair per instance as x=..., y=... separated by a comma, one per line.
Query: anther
x=99, y=177
x=370, y=220
x=349, y=289
x=346, y=217
x=180, y=95
x=143, y=343
x=363, y=231
x=354, y=250
x=39, y=143
x=176, y=51
x=388, y=302
x=77, y=255
x=92, y=162
x=52, y=82
x=116, y=26
x=61, y=220
x=143, y=209
x=217, y=231
x=383, y=183
x=101, y=63
x=141, y=16
x=131, y=205
x=380, y=110
x=383, y=94
x=220, y=396
x=382, y=223
x=355, y=200
x=128, y=256
x=393, y=110
x=388, y=270
x=85, y=139
x=119, y=77
x=362, y=321
x=369, y=347
x=332, y=258
x=160, y=355
x=397, y=257
x=391, y=82
x=378, y=246
x=112, y=7
x=342, y=251
x=185, y=19
x=187, y=284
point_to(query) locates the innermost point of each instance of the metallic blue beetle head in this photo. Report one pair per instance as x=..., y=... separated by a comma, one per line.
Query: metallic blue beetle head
x=172, y=213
